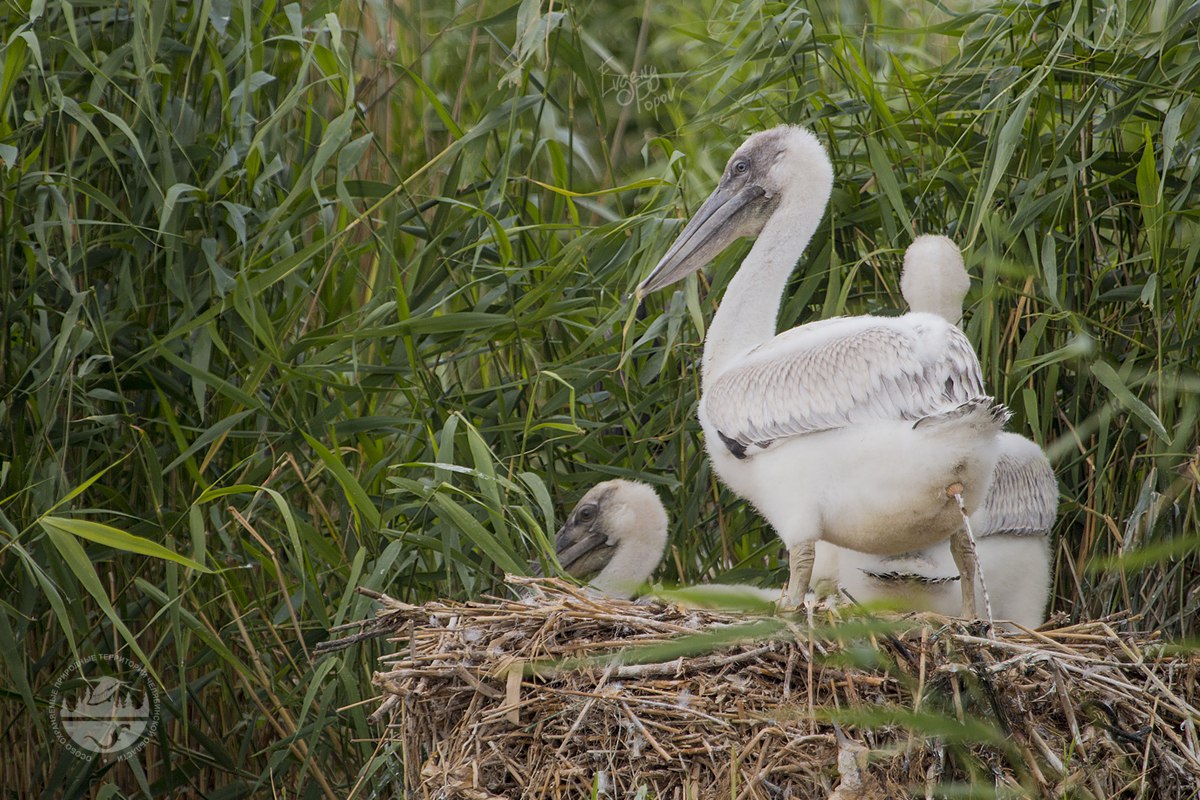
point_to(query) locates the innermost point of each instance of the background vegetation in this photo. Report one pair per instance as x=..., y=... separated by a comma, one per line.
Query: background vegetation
x=336, y=294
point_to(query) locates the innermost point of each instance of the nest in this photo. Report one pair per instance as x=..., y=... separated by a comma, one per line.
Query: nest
x=564, y=695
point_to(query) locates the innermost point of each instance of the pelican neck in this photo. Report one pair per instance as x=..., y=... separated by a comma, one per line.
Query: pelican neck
x=749, y=312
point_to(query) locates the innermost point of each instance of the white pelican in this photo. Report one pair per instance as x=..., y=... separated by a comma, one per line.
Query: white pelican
x=617, y=532
x=861, y=431
x=1012, y=541
x=1011, y=528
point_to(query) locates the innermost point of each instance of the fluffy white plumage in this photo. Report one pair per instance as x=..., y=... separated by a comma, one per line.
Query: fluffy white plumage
x=934, y=278
x=616, y=534
x=850, y=429
x=1012, y=526
x=1016, y=568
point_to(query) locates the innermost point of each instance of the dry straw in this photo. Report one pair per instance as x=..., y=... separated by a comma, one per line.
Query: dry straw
x=560, y=693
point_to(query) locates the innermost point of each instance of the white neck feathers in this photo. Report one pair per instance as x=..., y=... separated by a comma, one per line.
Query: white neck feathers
x=638, y=522
x=749, y=312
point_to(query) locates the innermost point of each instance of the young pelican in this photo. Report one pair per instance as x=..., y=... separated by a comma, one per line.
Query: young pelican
x=1012, y=541
x=864, y=431
x=1012, y=527
x=617, y=533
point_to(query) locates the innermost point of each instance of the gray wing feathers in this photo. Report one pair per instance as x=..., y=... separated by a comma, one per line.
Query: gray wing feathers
x=823, y=379
x=1023, y=499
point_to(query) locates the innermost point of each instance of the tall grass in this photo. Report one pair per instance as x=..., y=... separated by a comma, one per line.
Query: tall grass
x=337, y=295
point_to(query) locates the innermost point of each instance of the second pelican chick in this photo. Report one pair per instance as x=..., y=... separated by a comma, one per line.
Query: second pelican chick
x=616, y=535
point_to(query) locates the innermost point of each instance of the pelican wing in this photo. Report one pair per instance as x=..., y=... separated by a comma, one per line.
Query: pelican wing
x=841, y=372
x=1023, y=498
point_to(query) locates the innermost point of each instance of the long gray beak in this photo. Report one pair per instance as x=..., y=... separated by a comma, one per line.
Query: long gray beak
x=578, y=558
x=570, y=554
x=710, y=231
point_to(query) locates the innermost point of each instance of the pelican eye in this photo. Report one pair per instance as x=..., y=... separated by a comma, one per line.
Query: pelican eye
x=741, y=166
x=586, y=514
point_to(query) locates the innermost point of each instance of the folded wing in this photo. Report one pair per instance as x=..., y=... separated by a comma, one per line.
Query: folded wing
x=842, y=372
x=1023, y=499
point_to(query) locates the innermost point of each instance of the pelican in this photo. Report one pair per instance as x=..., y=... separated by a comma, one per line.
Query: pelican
x=866, y=432
x=617, y=533
x=1012, y=532
x=1011, y=528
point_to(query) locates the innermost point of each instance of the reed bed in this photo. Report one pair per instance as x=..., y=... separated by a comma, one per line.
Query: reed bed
x=562, y=694
x=301, y=297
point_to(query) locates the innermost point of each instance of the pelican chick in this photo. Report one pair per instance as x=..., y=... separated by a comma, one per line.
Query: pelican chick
x=1012, y=528
x=865, y=431
x=617, y=533
x=934, y=279
x=1012, y=543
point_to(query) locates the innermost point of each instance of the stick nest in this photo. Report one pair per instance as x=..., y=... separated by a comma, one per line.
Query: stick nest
x=561, y=693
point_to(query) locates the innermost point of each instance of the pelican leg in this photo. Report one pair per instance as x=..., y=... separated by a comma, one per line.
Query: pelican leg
x=962, y=548
x=800, y=567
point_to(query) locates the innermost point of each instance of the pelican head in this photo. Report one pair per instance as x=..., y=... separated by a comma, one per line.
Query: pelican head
x=618, y=530
x=772, y=168
x=934, y=279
